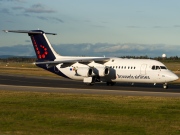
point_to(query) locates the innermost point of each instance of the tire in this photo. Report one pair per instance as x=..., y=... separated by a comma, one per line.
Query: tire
x=112, y=83
x=107, y=83
x=165, y=86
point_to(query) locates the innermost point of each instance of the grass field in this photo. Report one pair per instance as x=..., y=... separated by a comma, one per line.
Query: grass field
x=173, y=66
x=24, y=69
x=47, y=113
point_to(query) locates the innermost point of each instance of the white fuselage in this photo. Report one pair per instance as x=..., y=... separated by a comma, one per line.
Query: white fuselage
x=126, y=70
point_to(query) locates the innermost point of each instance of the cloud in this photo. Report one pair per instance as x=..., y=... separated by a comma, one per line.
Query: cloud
x=101, y=49
x=42, y=18
x=177, y=26
x=133, y=26
x=5, y=11
x=57, y=19
x=98, y=49
x=98, y=26
x=9, y=21
x=17, y=50
x=14, y=0
x=27, y=12
x=50, y=19
x=27, y=15
x=17, y=8
x=121, y=47
x=28, y=41
x=39, y=8
x=19, y=0
x=157, y=27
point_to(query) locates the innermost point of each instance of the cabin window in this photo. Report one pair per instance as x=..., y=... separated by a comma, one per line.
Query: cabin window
x=128, y=67
x=125, y=67
x=131, y=67
x=134, y=67
x=119, y=67
x=122, y=67
x=116, y=67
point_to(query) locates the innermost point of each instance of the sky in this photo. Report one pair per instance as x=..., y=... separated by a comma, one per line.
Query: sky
x=132, y=26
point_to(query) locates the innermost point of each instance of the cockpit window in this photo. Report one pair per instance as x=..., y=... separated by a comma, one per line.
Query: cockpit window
x=153, y=67
x=157, y=67
x=163, y=67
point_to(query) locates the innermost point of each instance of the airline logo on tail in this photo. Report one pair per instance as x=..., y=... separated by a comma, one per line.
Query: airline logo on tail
x=41, y=52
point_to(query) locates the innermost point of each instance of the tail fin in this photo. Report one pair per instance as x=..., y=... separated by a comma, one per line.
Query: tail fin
x=42, y=46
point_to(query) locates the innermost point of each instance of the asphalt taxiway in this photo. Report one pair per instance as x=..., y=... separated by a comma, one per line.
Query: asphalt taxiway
x=61, y=85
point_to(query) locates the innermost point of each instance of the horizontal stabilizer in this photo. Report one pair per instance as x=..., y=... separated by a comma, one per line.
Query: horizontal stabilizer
x=29, y=32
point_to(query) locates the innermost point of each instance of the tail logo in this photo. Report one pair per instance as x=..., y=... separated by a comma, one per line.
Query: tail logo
x=42, y=55
x=41, y=51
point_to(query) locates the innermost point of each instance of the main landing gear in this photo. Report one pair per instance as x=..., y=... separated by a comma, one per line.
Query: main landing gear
x=92, y=80
x=165, y=86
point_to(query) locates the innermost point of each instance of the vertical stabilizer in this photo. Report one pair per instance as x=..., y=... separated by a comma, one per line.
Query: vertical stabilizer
x=41, y=44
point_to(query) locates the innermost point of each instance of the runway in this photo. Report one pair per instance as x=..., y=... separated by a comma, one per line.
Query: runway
x=61, y=85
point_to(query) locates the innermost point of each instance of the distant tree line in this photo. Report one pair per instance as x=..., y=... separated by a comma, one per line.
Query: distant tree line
x=18, y=59
x=135, y=57
x=166, y=59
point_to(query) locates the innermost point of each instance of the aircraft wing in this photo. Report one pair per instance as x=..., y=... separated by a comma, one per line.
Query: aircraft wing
x=71, y=61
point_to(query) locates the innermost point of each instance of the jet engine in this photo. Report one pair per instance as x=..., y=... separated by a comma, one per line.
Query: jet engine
x=84, y=71
x=101, y=71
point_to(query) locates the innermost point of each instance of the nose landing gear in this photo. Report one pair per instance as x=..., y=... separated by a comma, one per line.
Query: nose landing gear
x=165, y=86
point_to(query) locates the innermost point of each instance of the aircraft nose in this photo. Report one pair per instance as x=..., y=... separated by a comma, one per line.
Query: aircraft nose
x=170, y=76
x=174, y=77
x=177, y=77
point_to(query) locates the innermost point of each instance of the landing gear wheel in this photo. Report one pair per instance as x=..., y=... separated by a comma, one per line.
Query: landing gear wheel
x=113, y=83
x=165, y=86
x=107, y=83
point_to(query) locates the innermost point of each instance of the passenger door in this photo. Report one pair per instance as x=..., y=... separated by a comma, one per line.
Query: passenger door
x=158, y=72
x=143, y=69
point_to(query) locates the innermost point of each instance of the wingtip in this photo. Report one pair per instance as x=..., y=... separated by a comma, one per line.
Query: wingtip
x=5, y=31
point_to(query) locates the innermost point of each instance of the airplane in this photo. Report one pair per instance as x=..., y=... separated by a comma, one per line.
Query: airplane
x=92, y=70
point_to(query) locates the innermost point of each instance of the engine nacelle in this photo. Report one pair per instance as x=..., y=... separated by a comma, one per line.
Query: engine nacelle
x=101, y=71
x=84, y=71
